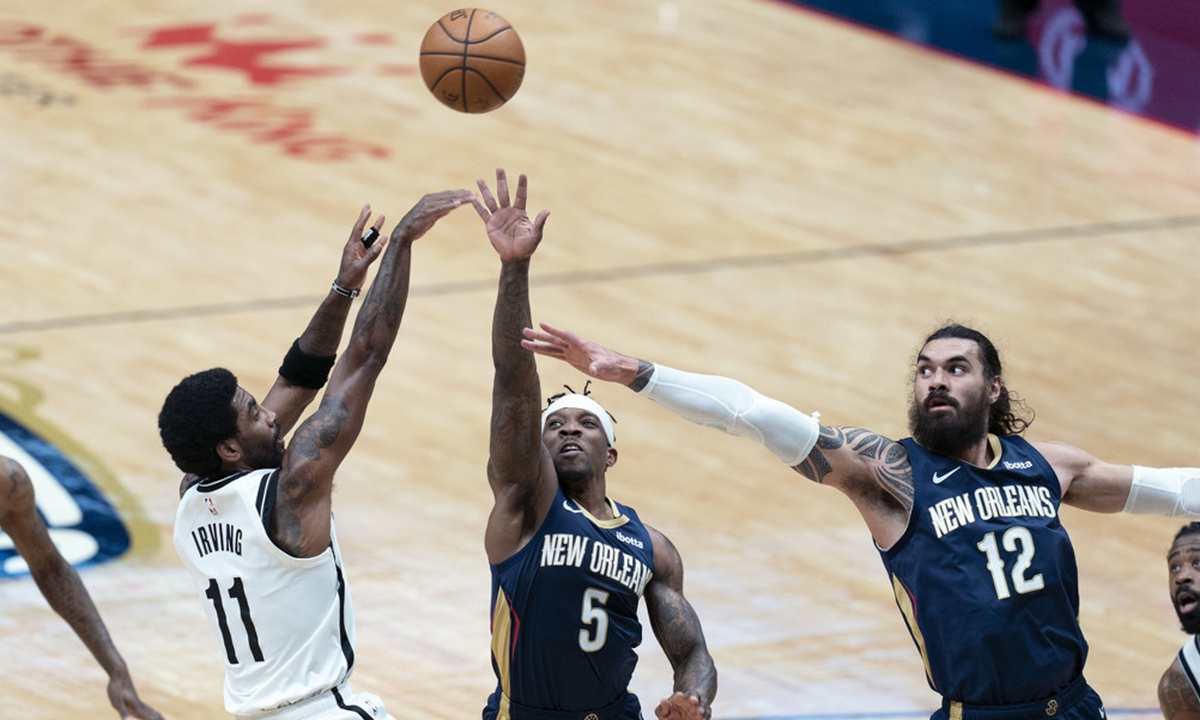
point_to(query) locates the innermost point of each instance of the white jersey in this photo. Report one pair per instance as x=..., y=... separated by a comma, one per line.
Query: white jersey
x=284, y=625
x=1189, y=660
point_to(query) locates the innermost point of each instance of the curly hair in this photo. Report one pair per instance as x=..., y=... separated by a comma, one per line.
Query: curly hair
x=1009, y=415
x=197, y=414
x=1192, y=528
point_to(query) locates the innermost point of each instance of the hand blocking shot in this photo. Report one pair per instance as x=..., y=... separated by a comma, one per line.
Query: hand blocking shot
x=254, y=525
x=569, y=565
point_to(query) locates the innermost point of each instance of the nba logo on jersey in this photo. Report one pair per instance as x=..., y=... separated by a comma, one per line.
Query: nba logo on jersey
x=83, y=525
x=211, y=508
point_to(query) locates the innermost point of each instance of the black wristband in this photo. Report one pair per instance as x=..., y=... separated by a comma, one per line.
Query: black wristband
x=307, y=371
x=344, y=292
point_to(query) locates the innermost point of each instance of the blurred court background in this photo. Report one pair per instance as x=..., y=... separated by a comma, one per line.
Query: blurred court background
x=758, y=189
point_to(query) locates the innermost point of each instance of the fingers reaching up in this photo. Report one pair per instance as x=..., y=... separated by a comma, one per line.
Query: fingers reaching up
x=509, y=228
x=356, y=256
x=428, y=210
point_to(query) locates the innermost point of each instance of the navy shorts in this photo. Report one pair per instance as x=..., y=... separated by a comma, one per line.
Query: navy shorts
x=1078, y=701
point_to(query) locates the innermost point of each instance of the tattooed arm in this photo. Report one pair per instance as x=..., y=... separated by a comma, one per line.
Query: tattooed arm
x=519, y=469
x=1176, y=697
x=679, y=633
x=287, y=399
x=301, y=519
x=871, y=469
x=62, y=587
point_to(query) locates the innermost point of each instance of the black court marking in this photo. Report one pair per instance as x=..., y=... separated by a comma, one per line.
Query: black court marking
x=582, y=277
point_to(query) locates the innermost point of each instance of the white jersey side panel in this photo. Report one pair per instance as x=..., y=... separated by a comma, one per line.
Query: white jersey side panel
x=283, y=625
x=1189, y=660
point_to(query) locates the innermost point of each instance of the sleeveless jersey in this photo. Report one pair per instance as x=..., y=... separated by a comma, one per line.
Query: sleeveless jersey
x=985, y=577
x=1189, y=660
x=284, y=625
x=564, y=613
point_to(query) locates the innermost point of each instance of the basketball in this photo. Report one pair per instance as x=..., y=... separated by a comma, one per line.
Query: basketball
x=472, y=60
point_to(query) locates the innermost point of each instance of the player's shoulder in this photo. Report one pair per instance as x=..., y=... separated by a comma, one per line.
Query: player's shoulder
x=1176, y=696
x=1063, y=455
x=666, y=555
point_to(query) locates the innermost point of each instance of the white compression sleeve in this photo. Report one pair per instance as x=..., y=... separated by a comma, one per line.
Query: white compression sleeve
x=1172, y=492
x=734, y=408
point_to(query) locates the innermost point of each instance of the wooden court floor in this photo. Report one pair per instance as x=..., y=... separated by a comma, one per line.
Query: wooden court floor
x=736, y=186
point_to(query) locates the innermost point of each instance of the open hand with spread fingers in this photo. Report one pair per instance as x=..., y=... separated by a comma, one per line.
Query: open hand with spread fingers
x=508, y=226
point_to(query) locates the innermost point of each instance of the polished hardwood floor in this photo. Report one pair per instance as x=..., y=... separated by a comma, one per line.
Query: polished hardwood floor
x=737, y=186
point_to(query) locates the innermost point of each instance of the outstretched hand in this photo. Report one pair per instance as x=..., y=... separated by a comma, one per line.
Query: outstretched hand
x=125, y=699
x=589, y=358
x=356, y=257
x=683, y=707
x=428, y=210
x=508, y=227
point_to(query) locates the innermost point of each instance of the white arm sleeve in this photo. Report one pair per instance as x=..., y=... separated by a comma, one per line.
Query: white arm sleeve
x=734, y=408
x=1172, y=492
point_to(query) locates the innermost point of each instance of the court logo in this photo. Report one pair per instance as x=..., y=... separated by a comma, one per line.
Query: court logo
x=82, y=523
x=263, y=56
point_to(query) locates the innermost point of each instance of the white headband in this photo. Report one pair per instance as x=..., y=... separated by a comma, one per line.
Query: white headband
x=583, y=402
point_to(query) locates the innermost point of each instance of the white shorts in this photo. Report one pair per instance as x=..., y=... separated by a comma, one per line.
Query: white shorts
x=340, y=703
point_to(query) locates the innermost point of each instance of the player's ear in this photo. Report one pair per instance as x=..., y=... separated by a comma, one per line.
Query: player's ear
x=997, y=386
x=230, y=451
x=612, y=457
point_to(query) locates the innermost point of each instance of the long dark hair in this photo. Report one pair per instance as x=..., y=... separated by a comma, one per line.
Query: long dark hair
x=1009, y=415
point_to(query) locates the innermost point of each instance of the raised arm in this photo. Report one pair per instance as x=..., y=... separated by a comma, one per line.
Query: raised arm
x=872, y=470
x=519, y=469
x=302, y=511
x=306, y=366
x=679, y=634
x=62, y=587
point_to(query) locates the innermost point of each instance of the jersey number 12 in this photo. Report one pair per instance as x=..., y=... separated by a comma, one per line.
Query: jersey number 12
x=995, y=564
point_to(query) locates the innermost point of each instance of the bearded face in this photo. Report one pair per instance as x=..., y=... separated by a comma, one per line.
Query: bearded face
x=1183, y=573
x=945, y=425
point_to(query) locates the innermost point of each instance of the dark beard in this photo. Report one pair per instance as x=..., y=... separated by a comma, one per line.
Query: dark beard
x=952, y=434
x=1190, y=622
x=572, y=479
x=267, y=456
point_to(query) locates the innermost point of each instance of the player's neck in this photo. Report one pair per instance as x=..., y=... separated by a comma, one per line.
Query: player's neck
x=979, y=453
x=592, y=498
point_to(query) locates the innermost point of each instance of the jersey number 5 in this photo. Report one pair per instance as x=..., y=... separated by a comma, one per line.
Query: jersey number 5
x=237, y=592
x=995, y=564
x=594, y=614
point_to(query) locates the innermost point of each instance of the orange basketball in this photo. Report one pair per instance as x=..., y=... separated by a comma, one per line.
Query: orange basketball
x=472, y=60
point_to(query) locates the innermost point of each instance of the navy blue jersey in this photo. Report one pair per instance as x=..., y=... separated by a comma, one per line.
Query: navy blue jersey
x=985, y=577
x=565, y=614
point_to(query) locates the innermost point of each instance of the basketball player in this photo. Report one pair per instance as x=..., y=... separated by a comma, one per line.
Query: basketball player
x=568, y=564
x=254, y=524
x=964, y=513
x=1179, y=689
x=61, y=586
